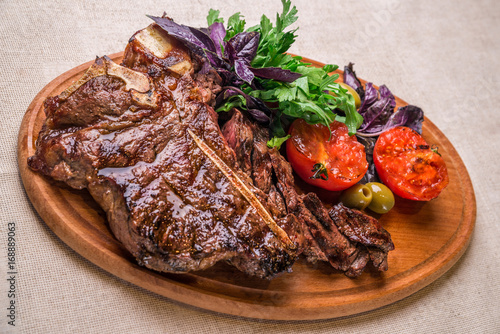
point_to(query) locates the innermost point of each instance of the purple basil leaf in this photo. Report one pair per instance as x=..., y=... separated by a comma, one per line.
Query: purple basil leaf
x=410, y=116
x=259, y=116
x=217, y=34
x=242, y=69
x=181, y=32
x=203, y=38
x=352, y=80
x=371, y=174
x=375, y=117
x=228, y=77
x=371, y=95
x=230, y=53
x=245, y=45
x=276, y=73
x=385, y=93
x=206, y=31
x=216, y=61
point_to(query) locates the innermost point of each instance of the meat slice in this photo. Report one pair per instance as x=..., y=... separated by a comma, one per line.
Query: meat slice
x=347, y=239
x=154, y=158
x=271, y=173
x=341, y=253
x=364, y=230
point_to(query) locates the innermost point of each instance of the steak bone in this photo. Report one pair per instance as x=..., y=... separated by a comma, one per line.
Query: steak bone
x=136, y=82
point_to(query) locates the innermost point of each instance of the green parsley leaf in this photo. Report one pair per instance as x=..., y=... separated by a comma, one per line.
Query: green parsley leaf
x=277, y=141
x=235, y=25
x=235, y=101
x=284, y=93
x=213, y=16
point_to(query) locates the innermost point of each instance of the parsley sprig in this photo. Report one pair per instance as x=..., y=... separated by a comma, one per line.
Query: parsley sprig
x=315, y=96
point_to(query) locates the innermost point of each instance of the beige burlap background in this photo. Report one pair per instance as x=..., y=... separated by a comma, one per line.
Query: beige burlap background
x=442, y=55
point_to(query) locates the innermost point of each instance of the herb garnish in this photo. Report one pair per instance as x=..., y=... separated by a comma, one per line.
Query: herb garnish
x=274, y=87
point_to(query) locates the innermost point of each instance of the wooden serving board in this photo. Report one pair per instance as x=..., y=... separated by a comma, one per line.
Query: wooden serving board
x=429, y=238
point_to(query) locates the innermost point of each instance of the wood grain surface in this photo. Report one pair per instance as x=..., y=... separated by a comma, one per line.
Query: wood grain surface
x=429, y=238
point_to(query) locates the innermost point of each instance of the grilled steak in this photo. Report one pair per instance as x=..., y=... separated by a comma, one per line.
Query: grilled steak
x=149, y=150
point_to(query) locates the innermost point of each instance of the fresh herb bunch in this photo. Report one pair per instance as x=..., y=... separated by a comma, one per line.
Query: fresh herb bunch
x=260, y=77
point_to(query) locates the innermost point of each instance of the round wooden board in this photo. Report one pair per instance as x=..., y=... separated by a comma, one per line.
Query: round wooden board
x=429, y=238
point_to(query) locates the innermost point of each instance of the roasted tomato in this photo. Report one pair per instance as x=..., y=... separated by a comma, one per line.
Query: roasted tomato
x=408, y=166
x=333, y=162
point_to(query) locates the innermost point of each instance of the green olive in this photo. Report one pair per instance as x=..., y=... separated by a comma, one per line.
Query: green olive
x=382, y=197
x=358, y=196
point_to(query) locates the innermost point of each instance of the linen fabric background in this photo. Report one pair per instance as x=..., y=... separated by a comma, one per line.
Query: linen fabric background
x=441, y=55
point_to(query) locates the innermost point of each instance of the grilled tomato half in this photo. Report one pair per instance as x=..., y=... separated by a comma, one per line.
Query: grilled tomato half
x=333, y=161
x=408, y=165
